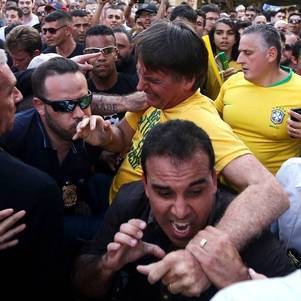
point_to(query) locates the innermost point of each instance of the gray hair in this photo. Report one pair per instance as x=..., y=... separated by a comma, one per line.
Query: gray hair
x=3, y=57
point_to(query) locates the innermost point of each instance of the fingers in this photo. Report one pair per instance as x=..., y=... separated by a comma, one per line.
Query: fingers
x=88, y=124
x=130, y=232
x=11, y=233
x=9, y=244
x=9, y=219
x=81, y=59
x=256, y=276
x=5, y=213
x=158, y=270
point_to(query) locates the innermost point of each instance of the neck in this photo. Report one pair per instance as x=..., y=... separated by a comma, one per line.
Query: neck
x=61, y=146
x=66, y=48
x=270, y=77
x=26, y=19
x=104, y=83
x=178, y=101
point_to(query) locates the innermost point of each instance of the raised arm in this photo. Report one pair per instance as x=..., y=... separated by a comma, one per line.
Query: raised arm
x=112, y=104
x=96, y=131
x=260, y=202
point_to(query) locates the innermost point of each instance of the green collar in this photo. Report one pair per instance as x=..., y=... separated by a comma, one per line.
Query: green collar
x=286, y=79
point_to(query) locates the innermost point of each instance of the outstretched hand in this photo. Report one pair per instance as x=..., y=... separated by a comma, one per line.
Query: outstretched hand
x=95, y=130
x=128, y=245
x=179, y=271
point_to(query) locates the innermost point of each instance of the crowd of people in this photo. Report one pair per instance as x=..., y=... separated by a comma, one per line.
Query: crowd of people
x=148, y=150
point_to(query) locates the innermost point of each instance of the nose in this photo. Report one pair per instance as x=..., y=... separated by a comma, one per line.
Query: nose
x=141, y=84
x=240, y=58
x=78, y=112
x=17, y=95
x=180, y=208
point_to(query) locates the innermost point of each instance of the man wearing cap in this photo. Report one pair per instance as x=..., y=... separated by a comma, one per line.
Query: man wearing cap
x=146, y=14
x=53, y=6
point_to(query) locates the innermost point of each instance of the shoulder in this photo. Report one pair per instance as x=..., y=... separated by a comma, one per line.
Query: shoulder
x=19, y=178
x=130, y=197
x=23, y=121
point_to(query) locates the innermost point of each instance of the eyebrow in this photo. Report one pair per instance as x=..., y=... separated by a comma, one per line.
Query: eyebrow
x=194, y=183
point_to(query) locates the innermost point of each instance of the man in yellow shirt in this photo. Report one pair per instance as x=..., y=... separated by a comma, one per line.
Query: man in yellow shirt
x=172, y=62
x=256, y=103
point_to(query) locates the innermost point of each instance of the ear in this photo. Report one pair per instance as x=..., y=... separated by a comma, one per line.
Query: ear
x=188, y=83
x=272, y=54
x=116, y=54
x=214, y=179
x=294, y=60
x=36, y=52
x=145, y=185
x=39, y=106
x=69, y=29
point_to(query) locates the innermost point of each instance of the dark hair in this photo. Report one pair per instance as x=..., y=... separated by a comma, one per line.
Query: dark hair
x=58, y=15
x=184, y=11
x=232, y=25
x=100, y=30
x=252, y=8
x=79, y=13
x=207, y=8
x=293, y=14
x=242, y=24
x=200, y=13
x=270, y=36
x=122, y=30
x=17, y=9
x=115, y=7
x=55, y=66
x=177, y=139
x=175, y=47
x=24, y=38
x=297, y=49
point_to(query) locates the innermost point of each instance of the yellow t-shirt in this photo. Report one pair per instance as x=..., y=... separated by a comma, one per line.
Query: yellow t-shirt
x=198, y=109
x=214, y=80
x=258, y=116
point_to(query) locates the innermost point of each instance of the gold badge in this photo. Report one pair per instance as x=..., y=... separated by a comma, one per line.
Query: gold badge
x=69, y=195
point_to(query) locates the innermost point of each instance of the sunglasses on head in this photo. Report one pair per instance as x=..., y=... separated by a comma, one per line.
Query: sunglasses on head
x=52, y=30
x=294, y=21
x=67, y=106
x=104, y=51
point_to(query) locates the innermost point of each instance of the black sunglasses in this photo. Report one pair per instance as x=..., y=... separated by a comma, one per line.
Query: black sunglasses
x=67, y=106
x=294, y=21
x=52, y=30
x=288, y=47
x=104, y=51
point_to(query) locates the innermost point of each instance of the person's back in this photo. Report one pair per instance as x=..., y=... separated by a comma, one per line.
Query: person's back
x=33, y=268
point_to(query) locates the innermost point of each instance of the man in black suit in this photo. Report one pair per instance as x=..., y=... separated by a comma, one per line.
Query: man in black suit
x=32, y=268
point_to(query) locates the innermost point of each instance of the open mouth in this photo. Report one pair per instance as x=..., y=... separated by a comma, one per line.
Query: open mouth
x=180, y=228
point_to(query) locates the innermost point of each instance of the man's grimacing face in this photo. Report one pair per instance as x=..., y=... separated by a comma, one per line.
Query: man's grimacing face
x=181, y=195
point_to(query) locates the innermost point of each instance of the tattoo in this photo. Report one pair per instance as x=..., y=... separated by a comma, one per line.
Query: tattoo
x=108, y=108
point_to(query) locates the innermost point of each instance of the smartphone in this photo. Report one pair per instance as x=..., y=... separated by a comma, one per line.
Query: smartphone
x=297, y=110
x=223, y=59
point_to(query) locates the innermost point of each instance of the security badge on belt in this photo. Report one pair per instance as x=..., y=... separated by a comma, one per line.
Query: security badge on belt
x=69, y=194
